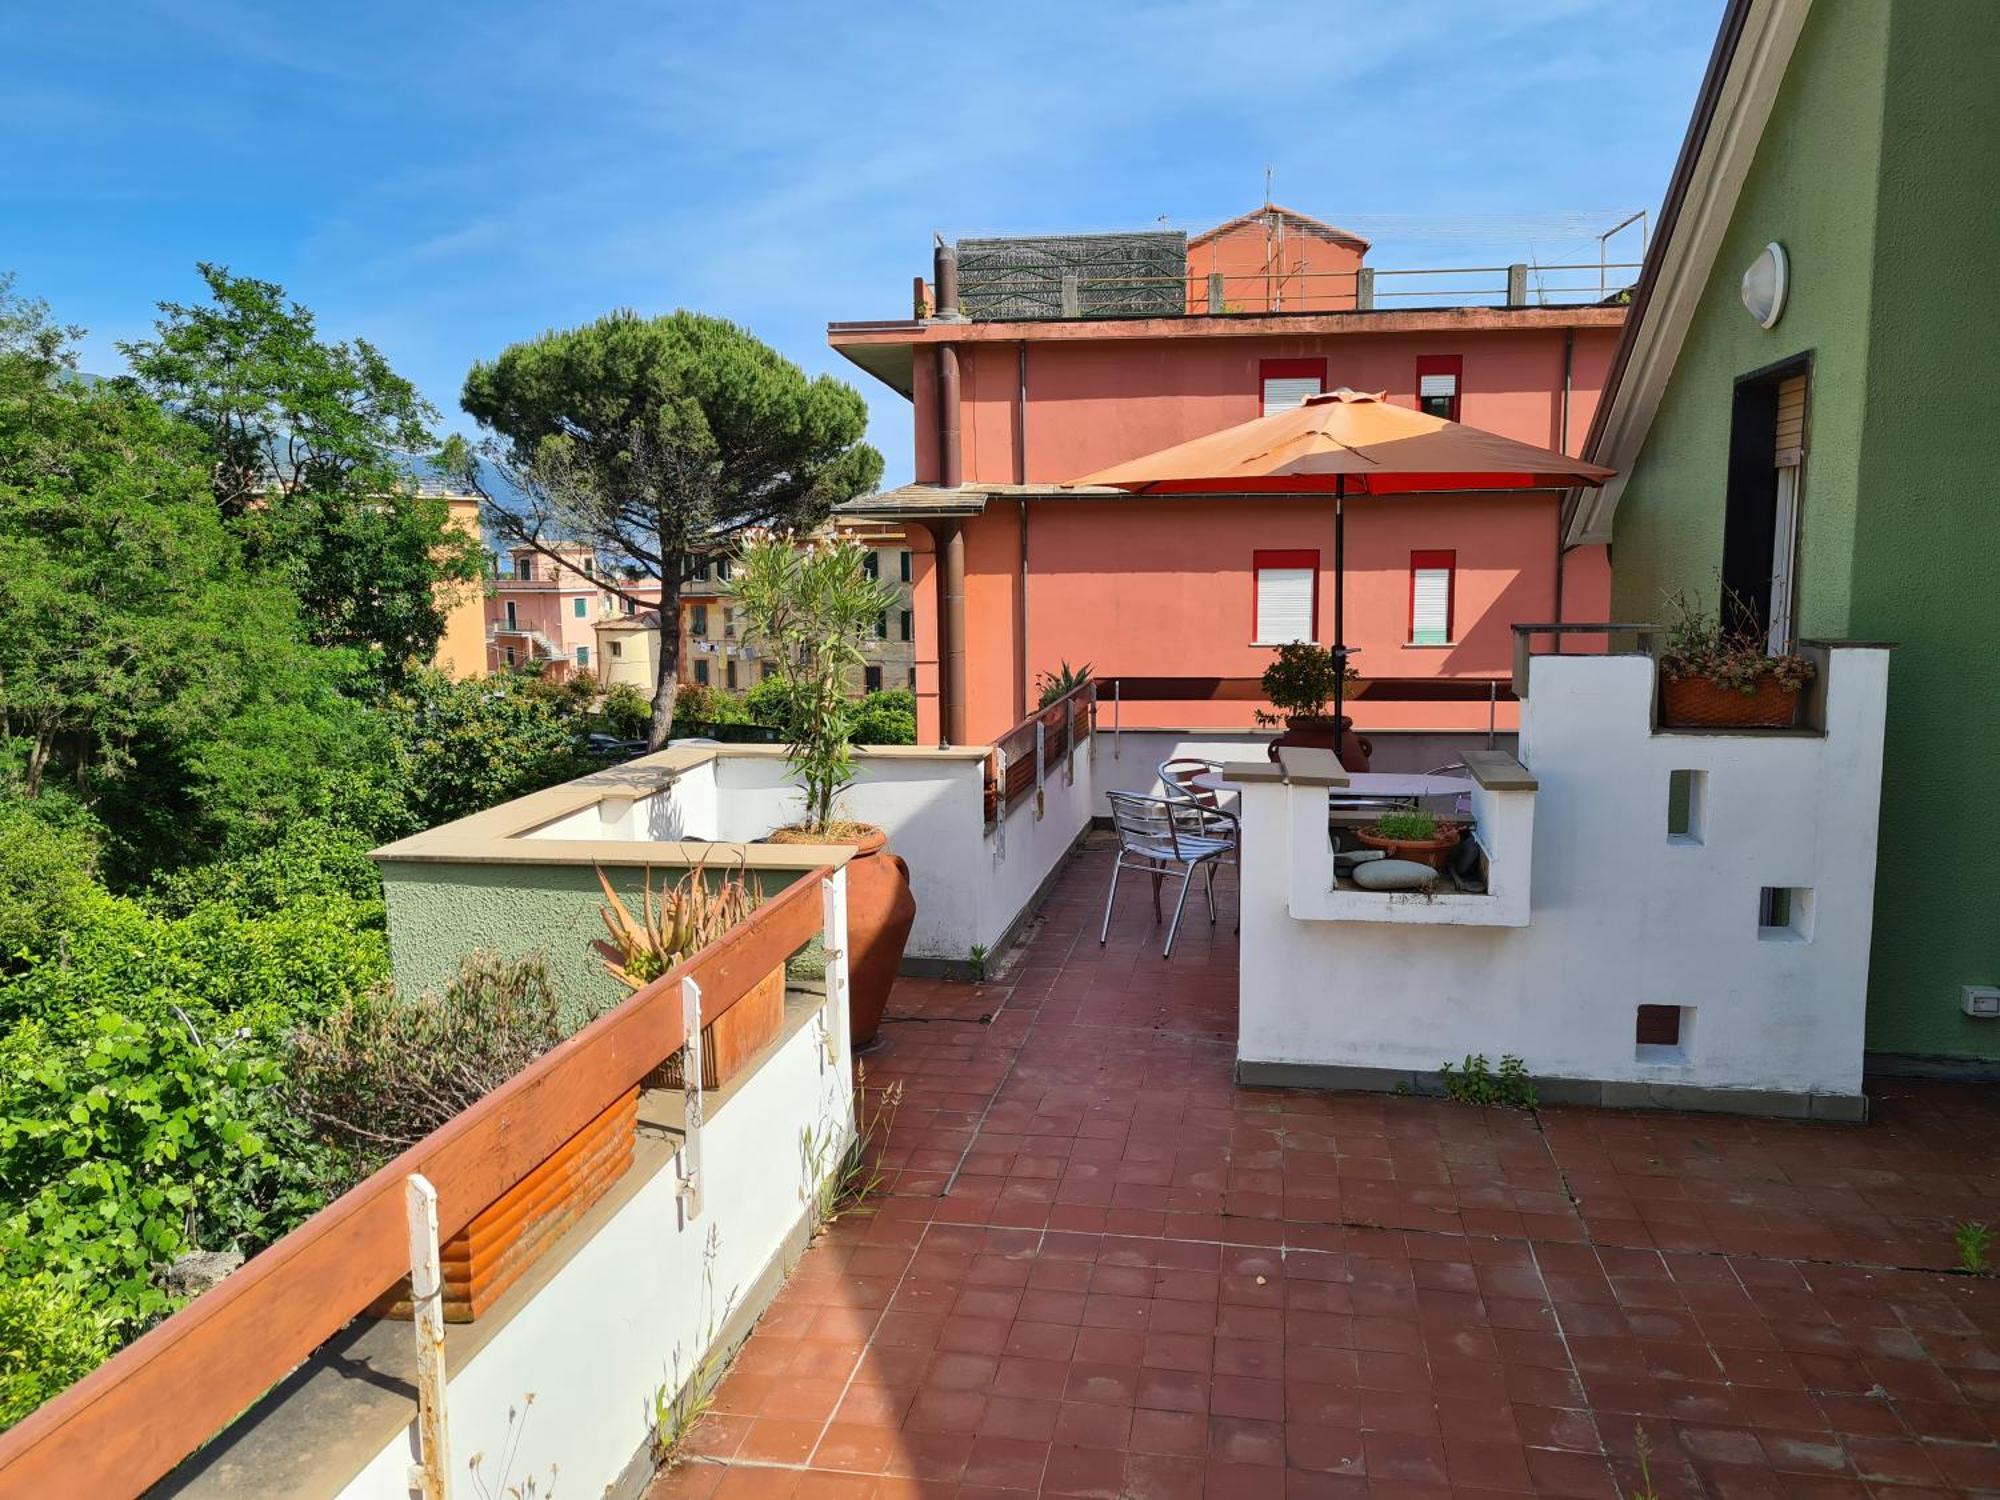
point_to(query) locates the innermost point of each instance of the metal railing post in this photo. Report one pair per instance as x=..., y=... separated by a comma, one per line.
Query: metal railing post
x=1117, y=716
x=430, y=1475
x=1041, y=766
x=833, y=933
x=691, y=1096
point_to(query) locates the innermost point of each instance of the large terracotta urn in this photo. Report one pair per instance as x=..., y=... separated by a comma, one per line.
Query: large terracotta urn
x=880, y=910
x=1318, y=732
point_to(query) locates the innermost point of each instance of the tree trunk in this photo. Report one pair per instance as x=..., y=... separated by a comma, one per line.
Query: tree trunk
x=667, y=685
x=38, y=760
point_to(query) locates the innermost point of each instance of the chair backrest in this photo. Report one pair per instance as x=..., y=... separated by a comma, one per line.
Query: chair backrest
x=1177, y=776
x=1167, y=828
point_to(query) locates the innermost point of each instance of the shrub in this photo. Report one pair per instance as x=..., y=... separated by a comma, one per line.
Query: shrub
x=313, y=859
x=1475, y=1082
x=386, y=1069
x=1301, y=681
x=626, y=713
x=886, y=719
x=50, y=1338
x=462, y=746
x=46, y=889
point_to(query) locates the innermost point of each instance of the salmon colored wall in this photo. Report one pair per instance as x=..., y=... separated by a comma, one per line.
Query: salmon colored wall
x=1098, y=402
x=461, y=649
x=1318, y=273
x=1165, y=588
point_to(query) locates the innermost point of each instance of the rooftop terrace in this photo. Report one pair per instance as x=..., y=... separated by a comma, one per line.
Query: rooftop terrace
x=1100, y=1267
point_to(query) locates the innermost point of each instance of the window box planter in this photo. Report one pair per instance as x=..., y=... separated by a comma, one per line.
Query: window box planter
x=1697, y=703
x=734, y=1037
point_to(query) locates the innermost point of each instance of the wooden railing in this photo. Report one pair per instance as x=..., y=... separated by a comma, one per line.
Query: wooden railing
x=1021, y=759
x=128, y=1423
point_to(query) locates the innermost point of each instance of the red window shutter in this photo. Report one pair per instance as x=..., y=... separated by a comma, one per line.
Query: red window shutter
x=1287, y=380
x=1284, y=567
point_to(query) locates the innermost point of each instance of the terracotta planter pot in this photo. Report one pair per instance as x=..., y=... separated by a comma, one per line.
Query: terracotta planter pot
x=734, y=1037
x=514, y=1231
x=880, y=910
x=1697, y=703
x=1318, y=732
x=1432, y=852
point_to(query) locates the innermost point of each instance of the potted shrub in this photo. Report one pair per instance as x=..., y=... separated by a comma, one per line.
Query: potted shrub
x=1418, y=836
x=683, y=919
x=1715, y=676
x=1300, y=683
x=811, y=601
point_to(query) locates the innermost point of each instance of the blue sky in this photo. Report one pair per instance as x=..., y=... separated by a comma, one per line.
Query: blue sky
x=444, y=178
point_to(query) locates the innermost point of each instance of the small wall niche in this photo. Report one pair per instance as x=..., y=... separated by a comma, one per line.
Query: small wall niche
x=1785, y=914
x=1661, y=1033
x=1687, y=806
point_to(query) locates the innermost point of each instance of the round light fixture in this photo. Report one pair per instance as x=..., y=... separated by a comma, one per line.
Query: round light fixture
x=1765, y=285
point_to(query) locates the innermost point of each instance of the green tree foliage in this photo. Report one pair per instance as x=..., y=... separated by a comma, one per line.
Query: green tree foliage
x=461, y=746
x=659, y=442
x=46, y=884
x=308, y=446
x=886, y=719
x=812, y=603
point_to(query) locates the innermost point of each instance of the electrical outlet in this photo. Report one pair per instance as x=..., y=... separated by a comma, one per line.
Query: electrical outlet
x=1980, y=1000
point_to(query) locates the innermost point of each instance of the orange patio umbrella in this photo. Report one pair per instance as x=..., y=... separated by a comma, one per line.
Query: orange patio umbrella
x=1343, y=443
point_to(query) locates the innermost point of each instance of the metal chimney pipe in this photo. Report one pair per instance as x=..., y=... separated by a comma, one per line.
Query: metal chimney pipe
x=944, y=274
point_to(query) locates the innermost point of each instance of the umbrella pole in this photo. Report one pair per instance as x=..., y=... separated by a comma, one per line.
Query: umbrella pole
x=1339, y=603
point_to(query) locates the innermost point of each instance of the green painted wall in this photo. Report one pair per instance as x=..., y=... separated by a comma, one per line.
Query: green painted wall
x=1812, y=188
x=1875, y=173
x=440, y=912
x=1927, y=553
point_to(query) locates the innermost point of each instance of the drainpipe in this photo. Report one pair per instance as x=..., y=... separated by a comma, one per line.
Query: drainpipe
x=951, y=633
x=1562, y=446
x=1021, y=693
x=951, y=470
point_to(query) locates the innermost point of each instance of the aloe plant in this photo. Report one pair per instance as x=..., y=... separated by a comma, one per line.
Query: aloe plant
x=682, y=919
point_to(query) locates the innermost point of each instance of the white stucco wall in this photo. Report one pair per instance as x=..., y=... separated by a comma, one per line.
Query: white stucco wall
x=631, y=1308
x=971, y=882
x=1618, y=913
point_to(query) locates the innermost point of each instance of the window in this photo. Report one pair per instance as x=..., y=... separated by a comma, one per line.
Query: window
x=590, y=567
x=697, y=619
x=630, y=607
x=729, y=672
x=524, y=566
x=1687, y=805
x=768, y=670
x=1430, y=597
x=617, y=649
x=882, y=625
x=513, y=619
x=510, y=656
x=701, y=673
x=1287, y=382
x=701, y=571
x=872, y=565
x=728, y=623
x=1785, y=914
x=906, y=625
x=871, y=678
x=1437, y=384
x=1287, y=598
x=722, y=569
x=904, y=556
x=582, y=610
x=1760, y=530
x=1661, y=1033
x=913, y=679
x=583, y=656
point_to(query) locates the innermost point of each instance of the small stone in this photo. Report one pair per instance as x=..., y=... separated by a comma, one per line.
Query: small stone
x=198, y=1271
x=1395, y=875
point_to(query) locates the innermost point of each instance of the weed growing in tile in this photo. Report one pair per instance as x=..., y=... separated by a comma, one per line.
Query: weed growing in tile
x=678, y=1405
x=1975, y=1244
x=1475, y=1081
x=836, y=1186
x=502, y=1488
x=1642, y=1446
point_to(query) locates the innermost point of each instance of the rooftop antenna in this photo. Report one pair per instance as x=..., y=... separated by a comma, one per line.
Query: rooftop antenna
x=1267, y=185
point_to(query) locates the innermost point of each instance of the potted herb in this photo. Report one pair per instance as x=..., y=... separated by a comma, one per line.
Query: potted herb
x=1300, y=683
x=1715, y=676
x=811, y=601
x=1418, y=836
x=680, y=920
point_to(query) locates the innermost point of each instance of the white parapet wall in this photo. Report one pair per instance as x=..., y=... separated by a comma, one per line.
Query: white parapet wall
x=1728, y=876
x=972, y=882
x=563, y=1376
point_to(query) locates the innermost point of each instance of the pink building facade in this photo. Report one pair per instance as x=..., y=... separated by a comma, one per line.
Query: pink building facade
x=1009, y=414
x=544, y=612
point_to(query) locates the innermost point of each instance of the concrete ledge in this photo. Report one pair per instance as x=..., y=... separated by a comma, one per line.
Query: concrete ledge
x=1562, y=1092
x=1498, y=771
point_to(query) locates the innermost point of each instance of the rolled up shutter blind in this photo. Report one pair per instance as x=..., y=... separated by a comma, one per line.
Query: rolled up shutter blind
x=1285, y=602
x=1283, y=392
x=1791, y=442
x=1430, y=598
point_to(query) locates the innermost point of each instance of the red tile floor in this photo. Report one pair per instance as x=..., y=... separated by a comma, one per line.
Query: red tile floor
x=1099, y=1268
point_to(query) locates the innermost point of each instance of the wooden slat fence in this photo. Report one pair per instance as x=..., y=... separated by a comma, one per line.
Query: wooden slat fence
x=129, y=1422
x=1011, y=769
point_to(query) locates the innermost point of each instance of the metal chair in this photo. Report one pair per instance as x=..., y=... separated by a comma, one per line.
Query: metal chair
x=1165, y=836
x=1178, y=775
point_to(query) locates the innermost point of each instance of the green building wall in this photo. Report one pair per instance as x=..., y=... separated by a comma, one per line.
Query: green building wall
x=1875, y=171
x=442, y=911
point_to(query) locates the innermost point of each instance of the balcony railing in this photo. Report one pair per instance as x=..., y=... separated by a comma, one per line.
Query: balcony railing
x=1023, y=757
x=132, y=1420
